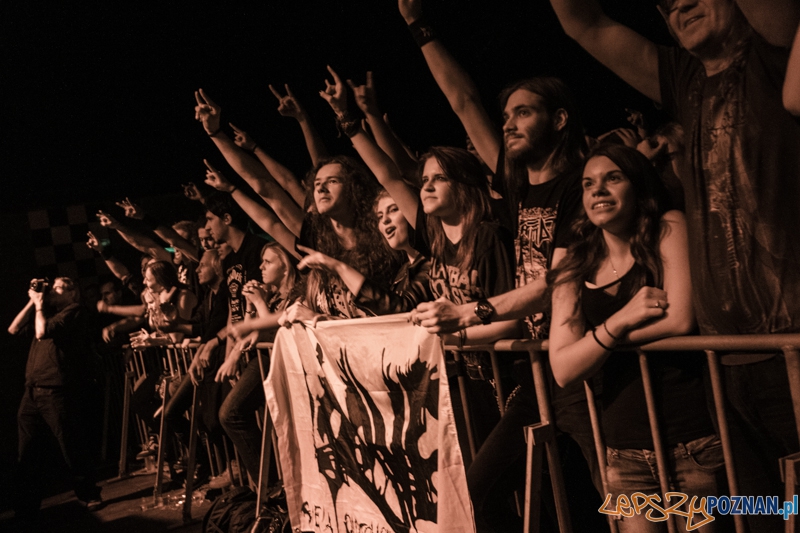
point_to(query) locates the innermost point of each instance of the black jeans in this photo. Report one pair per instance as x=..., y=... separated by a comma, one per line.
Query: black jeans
x=56, y=410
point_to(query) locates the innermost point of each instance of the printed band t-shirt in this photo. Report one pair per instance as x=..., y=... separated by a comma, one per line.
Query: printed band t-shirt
x=741, y=177
x=490, y=274
x=543, y=223
x=240, y=267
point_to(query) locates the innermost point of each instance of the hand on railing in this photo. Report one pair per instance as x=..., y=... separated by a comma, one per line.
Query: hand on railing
x=440, y=316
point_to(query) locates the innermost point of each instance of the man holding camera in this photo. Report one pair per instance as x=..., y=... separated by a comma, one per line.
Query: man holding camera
x=56, y=376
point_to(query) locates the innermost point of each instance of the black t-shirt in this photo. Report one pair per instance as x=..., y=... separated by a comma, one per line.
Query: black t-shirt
x=544, y=222
x=411, y=287
x=741, y=178
x=491, y=272
x=239, y=267
x=62, y=357
x=677, y=379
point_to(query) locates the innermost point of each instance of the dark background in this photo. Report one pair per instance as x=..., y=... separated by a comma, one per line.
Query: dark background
x=97, y=99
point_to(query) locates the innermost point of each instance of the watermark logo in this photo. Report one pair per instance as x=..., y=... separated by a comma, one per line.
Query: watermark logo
x=700, y=510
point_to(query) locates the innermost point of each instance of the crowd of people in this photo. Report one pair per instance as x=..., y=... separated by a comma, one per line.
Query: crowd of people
x=532, y=230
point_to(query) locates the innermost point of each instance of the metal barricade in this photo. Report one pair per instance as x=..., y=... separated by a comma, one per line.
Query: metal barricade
x=544, y=433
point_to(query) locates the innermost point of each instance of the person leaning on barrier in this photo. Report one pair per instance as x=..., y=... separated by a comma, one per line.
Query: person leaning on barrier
x=726, y=84
x=625, y=279
x=57, y=376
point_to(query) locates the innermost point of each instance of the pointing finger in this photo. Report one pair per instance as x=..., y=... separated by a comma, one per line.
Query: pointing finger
x=234, y=128
x=198, y=98
x=288, y=90
x=336, y=78
x=209, y=166
x=369, y=79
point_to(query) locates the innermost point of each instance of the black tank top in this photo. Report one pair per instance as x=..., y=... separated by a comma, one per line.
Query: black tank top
x=677, y=378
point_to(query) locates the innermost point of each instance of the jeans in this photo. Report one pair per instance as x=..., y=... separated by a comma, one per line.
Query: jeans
x=238, y=415
x=696, y=468
x=57, y=410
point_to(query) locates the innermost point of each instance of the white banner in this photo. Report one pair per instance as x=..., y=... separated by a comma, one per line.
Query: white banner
x=366, y=436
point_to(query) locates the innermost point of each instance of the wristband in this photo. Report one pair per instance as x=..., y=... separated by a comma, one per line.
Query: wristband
x=348, y=125
x=232, y=190
x=421, y=31
x=605, y=327
x=214, y=134
x=603, y=346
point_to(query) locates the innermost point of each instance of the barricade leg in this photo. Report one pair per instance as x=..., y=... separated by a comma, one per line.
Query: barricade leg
x=724, y=433
x=600, y=448
x=126, y=415
x=498, y=383
x=658, y=444
x=551, y=448
x=535, y=436
x=790, y=471
x=462, y=389
x=191, y=464
x=162, y=433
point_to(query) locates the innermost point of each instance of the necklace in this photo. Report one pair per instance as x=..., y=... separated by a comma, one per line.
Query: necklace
x=612, y=266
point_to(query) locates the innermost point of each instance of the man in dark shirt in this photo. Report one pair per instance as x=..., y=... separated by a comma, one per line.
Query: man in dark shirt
x=57, y=372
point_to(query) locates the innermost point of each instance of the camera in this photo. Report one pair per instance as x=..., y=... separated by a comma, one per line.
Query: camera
x=39, y=285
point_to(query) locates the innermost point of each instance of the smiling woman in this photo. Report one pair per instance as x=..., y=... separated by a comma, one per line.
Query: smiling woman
x=625, y=280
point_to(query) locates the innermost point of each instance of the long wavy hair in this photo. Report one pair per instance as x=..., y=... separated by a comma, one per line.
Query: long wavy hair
x=588, y=249
x=165, y=274
x=370, y=256
x=471, y=191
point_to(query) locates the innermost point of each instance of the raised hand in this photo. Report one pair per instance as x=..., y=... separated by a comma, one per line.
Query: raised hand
x=216, y=179
x=636, y=118
x=131, y=209
x=626, y=136
x=288, y=105
x=335, y=94
x=207, y=112
x=94, y=243
x=315, y=259
x=365, y=96
x=242, y=139
x=107, y=220
x=191, y=192
x=653, y=147
x=410, y=10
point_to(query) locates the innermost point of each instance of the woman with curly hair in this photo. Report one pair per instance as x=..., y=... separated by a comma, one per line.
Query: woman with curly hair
x=625, y=279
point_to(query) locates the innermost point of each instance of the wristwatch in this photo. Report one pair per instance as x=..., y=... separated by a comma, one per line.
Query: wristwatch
x=484, y=311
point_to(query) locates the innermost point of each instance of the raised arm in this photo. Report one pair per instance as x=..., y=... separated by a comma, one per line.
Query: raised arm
x=116, y=266
x=289, y=106
x=384, y=136
x=629, y=55
x=455, y=83
x=263, y=217
x=164, y=232
x=283, y=176
x=775, y=20
x=376, y=159
x=141, y=242
x=22, y=318
x=791, y=85
x=253, y=172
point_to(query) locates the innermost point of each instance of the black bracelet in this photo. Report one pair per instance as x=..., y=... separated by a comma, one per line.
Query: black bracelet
x=605, y=327
x=216, y=132
x=348, y=125
x=594, y=334
x=232, y=190
x=421, y=31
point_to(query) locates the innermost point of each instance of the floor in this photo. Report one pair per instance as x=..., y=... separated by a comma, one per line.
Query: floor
x=128, y=507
